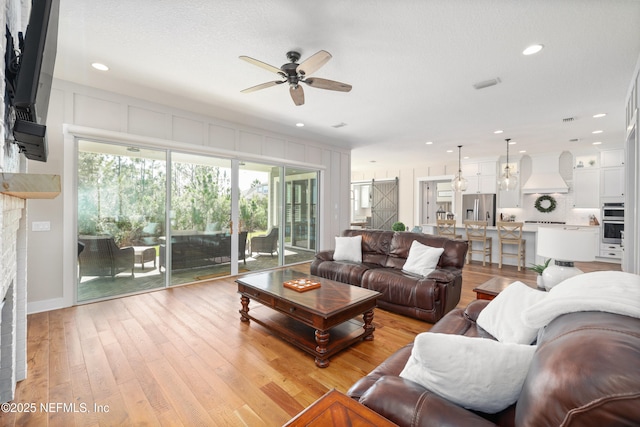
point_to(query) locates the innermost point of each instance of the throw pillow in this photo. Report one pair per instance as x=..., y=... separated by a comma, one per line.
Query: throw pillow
x=502, y=317
x=476, y=373
x=348, y=249
x=422, y=259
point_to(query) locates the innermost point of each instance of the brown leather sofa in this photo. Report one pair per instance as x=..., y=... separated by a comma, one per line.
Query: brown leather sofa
x=585, y=372
x=383, y=255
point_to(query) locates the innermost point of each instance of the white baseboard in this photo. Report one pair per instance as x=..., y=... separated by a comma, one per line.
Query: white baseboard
x=46, y=305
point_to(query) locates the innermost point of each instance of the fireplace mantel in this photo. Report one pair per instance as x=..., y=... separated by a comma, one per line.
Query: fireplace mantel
x=30, y=185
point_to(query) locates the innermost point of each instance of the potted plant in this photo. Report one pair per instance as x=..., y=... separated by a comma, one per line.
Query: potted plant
x=398, y=226
x=539, y=268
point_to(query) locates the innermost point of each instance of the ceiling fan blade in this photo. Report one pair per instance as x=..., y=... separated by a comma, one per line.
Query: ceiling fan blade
x=297, y=94
x=327, y=84
x=261, y=86
x=314, y=62
x=261, y=64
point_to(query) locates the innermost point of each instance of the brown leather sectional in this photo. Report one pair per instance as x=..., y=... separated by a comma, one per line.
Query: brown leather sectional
x=383, y=255
x=585, y=372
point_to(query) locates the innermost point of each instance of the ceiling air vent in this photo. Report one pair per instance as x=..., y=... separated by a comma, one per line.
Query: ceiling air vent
x=487, y=83
x=568, y=119
x=339, y=125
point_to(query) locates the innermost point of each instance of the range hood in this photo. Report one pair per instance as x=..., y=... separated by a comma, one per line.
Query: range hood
x=545, y=176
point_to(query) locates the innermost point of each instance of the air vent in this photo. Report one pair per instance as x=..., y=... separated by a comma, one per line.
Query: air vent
x=568, y=119
x=487, y=83
x=574, y=140
x=339, y=125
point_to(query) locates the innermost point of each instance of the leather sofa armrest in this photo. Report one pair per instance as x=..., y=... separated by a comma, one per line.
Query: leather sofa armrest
x=444, y=275
x=409, y=404
x=325, y=255
x=472, y=311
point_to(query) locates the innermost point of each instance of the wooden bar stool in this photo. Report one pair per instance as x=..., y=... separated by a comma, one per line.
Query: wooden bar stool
x=447, y=228
x=477, y=232
x=510, y=233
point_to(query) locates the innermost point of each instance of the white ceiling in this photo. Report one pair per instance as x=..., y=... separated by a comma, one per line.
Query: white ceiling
x=412, y=64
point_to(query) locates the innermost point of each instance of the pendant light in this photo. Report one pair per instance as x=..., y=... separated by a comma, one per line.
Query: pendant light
x=459, y=183
x=508, y=181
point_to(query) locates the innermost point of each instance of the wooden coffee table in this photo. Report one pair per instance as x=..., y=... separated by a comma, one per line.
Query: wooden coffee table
x=318, y=321
x=492, y=287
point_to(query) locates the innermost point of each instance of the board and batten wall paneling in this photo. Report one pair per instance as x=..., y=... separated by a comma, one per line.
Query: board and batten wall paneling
x=295, y=151
x=250, y=142
x=187, y=130
x=145, y=122
x=102, y=115
x=274, y=147
x=222, y=137
x=94, y=112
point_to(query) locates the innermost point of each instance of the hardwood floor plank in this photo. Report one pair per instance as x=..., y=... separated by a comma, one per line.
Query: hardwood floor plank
x=137, y=406
x=182, y=356
x=179, y=394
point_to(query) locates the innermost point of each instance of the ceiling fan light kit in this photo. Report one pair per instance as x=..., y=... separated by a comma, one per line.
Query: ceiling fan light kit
x=294, y=74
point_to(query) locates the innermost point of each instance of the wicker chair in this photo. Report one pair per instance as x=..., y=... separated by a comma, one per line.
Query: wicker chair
x=265, y=244
x=102, y=257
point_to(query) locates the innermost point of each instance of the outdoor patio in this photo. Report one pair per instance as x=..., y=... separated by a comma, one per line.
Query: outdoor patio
x=95, y=288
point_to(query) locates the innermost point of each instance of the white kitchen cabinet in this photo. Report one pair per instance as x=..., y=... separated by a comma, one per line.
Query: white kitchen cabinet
x=612, y=183
x=481, y=177
x=509, y=199
x=586, y=183
x=612, y=158
x=610, y=250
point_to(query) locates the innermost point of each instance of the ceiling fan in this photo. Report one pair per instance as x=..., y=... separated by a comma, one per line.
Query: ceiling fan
x=294, y=74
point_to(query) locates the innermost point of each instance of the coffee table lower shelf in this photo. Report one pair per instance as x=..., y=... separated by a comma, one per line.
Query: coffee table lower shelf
x=307, y=338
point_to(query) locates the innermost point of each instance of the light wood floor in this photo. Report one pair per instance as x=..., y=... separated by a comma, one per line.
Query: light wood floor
x=182, y=357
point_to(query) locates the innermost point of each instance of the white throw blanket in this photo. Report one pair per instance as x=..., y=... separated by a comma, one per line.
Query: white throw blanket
x=609, y=291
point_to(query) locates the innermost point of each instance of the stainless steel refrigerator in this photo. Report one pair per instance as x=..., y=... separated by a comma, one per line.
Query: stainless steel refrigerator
x=479, y=207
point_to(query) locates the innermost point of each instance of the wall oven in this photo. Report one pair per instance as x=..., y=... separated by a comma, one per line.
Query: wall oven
x=612, y=223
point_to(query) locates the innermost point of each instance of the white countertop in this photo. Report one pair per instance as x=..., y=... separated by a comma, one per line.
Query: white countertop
x=527, y=227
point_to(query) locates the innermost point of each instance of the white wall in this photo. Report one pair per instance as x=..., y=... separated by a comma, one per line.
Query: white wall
x=104, y=115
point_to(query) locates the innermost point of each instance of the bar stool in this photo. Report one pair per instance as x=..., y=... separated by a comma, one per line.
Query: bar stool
x=477, y=232
x=447, y=228
x=510, y=233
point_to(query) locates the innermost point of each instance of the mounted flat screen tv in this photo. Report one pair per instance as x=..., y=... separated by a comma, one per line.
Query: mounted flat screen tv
x=32, y=86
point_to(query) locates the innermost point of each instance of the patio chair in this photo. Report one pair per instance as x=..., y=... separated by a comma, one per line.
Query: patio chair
x=102, y=257
x=265, y=244
x=149, y=234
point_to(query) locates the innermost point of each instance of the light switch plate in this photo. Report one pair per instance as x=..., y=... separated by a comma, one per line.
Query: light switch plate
x=41, y=226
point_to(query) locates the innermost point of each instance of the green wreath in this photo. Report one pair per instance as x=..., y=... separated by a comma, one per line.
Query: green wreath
x=550, y=208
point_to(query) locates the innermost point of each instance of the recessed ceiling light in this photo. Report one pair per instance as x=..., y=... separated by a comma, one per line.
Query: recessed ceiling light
x=534, y=48
x=597, y=143
x=597, y=116
x=429, y=142
x=449, y=151
x=498, y=131
x=300, y=125
x=512, y=142
x=597, y=131
x=99, y=66
x=523, y=151
x=465, y=157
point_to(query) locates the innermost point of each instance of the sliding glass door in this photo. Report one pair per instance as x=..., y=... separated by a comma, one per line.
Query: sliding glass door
x=260, y=214
x=121, y=217
x=301, y=207
x=151, y=218
x=201, y=226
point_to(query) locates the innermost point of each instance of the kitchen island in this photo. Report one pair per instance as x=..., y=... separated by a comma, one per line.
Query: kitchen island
x=529, y=234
